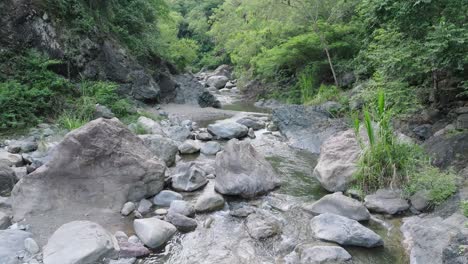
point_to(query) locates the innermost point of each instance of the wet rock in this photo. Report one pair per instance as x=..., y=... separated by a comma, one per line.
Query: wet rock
x=210, y=148
x=344, y=231
x=420, y=200
x=242, y=171
x=153, y=232
x=342, y=205
x=132, y=250
x=217, y=81
x=310, y=254
x=161, y=146
x=177, y=133
x=22, y=146
x=12, y=245
x=5, y=220
x=223, y=70
x=209, y=200
x=128, y=208
x=457, y=251
x=261, y=226
x=462, y=121
x=165, y=198
x=80, y=242
x=251, y=122
x=161, y=211
x=20, y=172
x=182, y=222
x=189, y=177
x=7, y=180
x=423, y=131
x=251, y=133
x=9, y=159
x=123, y=261
x=31, y=246
x=338, y=161
x=144, y=206
x=386, y=201
x=272, y=127
x=181, y=207
x=242, y=212
x=426, y=238
x=204, y=136
x=103, y=111
x=448, y=150
x=151, y=126
x=189, y=147
x=97, y=159
x=228, y=129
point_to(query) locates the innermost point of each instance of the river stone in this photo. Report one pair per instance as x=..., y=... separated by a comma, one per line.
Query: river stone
x=80, y=242
x=128, y=208
x=338, y=161
x=153, y=232
x=22, y=146
x=251, y=133
x=339, y=204
x=189, y=147
x=323, y=255
x=204, y=136
x=217, y=81
x=189, y=177
x=162, y=147
x=7, y=180
x=251, y=122
x=242, y=171
x=344, y=231
x=228, y=129
x=177, y=133
x=427, y=238
x=210, y=200
x=31, y=246
x=151, y=126
x=20, y=172
x=103, y=111
x=12, y=245
x=123, y=261
x=181, y=207
x=165, y=198
x=102, y=163
x=144, y=206
x=210, y=148
x=386, y=201
x=5, y=220
x=182, y=222
x=420, y=200
x=261, y=226
x=131, y=250
x=9, y=159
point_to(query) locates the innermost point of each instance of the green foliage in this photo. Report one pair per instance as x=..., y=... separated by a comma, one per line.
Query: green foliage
x=71, y=121
x=464, y=207
x=439, y=185
x=139, y=129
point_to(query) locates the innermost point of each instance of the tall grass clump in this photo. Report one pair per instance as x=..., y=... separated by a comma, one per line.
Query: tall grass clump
x=387, y=162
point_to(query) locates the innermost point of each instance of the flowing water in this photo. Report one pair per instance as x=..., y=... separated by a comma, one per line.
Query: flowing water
x=221, y=238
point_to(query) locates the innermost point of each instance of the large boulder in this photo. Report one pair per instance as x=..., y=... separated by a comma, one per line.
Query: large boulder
x=153, y=232
x=449, y=150
x=210, y=148
x=427, y=238
x=312, y=254
x=386, y=201
x=306, y=127
x=166, y=197
x=217, y=81
x=182, y=222
x=251, y=122
x=189, y=177
x=9, y=159
x=80, y=242
x=12, y=245
x=340, y=204
x=210, y=200
x=162, y=147
x=228, y=129
x=338, y=161
x=7, y=180
x=151, y=126
x=242, y=171
x=262, y=225
x=344, y=231
x=95, y=170
x=190, y=91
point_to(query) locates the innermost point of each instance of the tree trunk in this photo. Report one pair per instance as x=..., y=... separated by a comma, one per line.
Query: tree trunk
x=325, y=47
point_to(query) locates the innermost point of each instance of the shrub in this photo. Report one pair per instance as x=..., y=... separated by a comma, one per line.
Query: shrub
x=71, y=121
x=439, y=185
x=464, y=207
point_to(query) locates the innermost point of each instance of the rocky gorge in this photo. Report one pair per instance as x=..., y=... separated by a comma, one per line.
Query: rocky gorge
x=210, y=185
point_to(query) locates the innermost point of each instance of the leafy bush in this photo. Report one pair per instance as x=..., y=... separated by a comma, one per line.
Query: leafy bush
x=71, y=121
x=464, y=207
x=439, y=185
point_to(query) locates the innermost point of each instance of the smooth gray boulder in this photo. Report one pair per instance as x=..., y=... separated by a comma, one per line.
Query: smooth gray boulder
x=262, y=225
x=103, y=111
x=7, y=180
x=420, y=200
x=12, y=245
x=323, y=255
x=386, y=202
x=182, y=222
x=339, y=204
x=177, y=133
x=162, y=147
x=151, y=126
x=80, y=242
x=204, y=136
x=344, y=231
x=181, y=207
x=153, y=232
x=189, y=177
x=31, y=246
x=228, y=129
x=102, y=163
x=217, y=81
x=165, y=198
x=210, y=200
x=338, y=161
x=251, y=122
x=210, y=148
x=128, y=208
x=22, y=146
x=189, y=147
x=242, y=171
x=427, y=238
x=144, y=206
x=8, y=159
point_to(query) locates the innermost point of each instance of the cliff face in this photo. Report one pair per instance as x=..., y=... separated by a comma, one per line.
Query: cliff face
x=95, y=56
